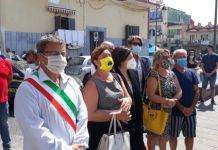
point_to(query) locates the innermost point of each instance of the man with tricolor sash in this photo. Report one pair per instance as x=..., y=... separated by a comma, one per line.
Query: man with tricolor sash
x=49, y=105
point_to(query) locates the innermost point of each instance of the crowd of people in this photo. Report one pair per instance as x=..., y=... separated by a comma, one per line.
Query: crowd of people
x=54, y=114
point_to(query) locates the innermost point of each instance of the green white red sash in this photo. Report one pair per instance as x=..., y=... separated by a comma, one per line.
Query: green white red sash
x=58, y=98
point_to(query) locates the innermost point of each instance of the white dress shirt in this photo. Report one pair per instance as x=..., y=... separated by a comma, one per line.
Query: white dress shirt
x=42, y=126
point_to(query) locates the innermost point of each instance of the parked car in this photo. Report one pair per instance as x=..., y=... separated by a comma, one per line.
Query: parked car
x=79, y=67
x=18, y=76
x=19, y=70
x=19, y=67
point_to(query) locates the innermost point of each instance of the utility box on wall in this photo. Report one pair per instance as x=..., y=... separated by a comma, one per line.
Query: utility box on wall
x=96, y=38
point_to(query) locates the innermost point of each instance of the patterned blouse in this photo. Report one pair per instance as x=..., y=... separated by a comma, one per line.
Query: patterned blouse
x=168, y=86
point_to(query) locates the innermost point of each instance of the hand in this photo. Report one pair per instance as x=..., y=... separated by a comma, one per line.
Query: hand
x=190, y=111
x=207, y=74
x=171, y=103
x=76, y=147
x=187, y=111
x=124, y=116
x=125, y=103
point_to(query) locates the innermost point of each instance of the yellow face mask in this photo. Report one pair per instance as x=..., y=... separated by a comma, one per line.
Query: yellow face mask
x=106, y=64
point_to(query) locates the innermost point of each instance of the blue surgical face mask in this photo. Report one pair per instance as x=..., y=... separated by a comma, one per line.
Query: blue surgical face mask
x=136, y=49
x=182, y=62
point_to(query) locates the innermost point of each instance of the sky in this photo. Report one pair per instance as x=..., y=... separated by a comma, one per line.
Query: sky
x=202, y=11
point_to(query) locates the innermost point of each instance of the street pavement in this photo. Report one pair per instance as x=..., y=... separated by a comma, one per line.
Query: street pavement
x=207, y=129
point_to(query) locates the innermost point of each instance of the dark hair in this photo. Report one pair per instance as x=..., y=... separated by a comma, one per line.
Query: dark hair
x=132, y=38
x=47, y=39
x=210, y=46
x=97, y=52
x=119, y=55
x=31, y=52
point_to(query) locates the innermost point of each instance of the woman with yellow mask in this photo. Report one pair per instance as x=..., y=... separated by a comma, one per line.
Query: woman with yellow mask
x=104, y=94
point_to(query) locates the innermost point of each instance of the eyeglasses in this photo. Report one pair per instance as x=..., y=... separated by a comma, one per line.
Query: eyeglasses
x=54, y=53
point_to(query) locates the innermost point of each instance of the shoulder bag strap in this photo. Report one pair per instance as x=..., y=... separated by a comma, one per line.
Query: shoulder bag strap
x=59, y=107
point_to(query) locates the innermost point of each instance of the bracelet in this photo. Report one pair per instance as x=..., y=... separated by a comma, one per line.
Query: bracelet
x=166, y=100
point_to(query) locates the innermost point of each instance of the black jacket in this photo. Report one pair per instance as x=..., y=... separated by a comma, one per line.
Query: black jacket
x=135, y=126
x=146, y=67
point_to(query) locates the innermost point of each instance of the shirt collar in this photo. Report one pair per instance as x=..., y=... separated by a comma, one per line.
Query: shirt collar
x=43, y=76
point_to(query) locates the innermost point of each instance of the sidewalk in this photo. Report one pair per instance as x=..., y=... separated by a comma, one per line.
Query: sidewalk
x=207, y=127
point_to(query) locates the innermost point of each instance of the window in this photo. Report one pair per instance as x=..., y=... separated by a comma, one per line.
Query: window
x=131, y=30
x=202, y=37
x=192, y=38
x=174, y=32
x=152, y=32
x=64, y=23
x=54, y=1
x=89, y=62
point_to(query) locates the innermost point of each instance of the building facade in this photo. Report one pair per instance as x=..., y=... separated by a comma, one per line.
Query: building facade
x=23, y=22
x=198, y=37
x=168, y=26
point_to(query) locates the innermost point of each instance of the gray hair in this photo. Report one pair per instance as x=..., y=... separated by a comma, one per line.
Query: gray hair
x=108, y=43
x=45, y=40
x=179, y=51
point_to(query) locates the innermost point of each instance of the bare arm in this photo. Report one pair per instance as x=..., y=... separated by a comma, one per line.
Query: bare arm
x=126, y=100
x=196, y=97
x=189, y=111
x=151, y=89
x=90, y=95
x=202, y=67
x=178, y=95
x=178, y=90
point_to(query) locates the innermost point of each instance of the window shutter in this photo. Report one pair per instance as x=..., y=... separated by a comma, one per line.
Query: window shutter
x=71, y=24
x=57, y=22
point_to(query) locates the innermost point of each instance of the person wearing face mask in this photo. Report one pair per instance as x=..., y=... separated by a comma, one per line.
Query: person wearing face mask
x=110, y=46
x=184, y=113
x=125, y=66
x=49, y=106
x=191, y=60
x=163, y=91
x=143, y=64
x=104, y=94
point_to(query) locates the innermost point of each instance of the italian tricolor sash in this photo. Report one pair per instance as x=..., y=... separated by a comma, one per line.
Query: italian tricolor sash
x=58, y=98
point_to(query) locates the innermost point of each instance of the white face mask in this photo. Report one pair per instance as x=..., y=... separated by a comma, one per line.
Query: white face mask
x=57, y=63
x=32, y=66
x=136, y=49
x=131, y=64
